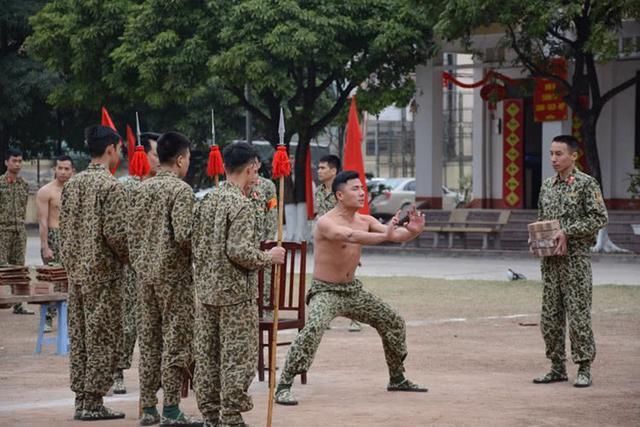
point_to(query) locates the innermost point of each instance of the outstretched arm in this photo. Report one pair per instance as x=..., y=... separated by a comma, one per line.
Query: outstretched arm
x=397, y=234
x=335, y=232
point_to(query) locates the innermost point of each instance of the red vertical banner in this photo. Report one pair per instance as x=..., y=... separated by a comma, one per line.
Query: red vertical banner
x=576, y=130
x=513, y=154
x=548, y=105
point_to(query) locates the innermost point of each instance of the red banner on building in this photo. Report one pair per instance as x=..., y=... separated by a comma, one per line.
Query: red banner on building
x=548, y=105
x=513, y=154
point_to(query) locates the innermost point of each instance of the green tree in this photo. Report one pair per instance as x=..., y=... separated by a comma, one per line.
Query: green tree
x=582, y=31
x=24, y=84
x=304, y=56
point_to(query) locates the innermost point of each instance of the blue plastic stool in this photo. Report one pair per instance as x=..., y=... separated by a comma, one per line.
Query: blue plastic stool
x=61, y=340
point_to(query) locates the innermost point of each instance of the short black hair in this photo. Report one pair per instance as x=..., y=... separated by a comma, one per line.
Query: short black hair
x=332, y=160
x=238, y=155
x=14, y=152
x=98, y=138
x=145, y=137
x=64, y=158
x=342, y=178
x=171, y=145
x=570, y=140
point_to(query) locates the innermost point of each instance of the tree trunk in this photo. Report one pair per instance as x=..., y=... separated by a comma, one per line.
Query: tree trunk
x=591, y=146
x=300, y=166
x=605, y=245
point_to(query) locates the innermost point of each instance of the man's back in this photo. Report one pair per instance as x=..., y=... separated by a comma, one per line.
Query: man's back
x=160, y=228
x=92, y=226
x=226, y=251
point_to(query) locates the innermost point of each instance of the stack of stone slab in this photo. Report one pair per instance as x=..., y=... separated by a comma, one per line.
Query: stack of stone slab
x=17, y=278
x=50, y=279
x=541, y=237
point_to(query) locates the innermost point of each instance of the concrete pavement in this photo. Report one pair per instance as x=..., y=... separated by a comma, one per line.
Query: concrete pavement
x=389, y=262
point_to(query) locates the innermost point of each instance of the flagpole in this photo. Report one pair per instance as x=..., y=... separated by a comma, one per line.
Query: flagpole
x=216, y=178
x=279, y=158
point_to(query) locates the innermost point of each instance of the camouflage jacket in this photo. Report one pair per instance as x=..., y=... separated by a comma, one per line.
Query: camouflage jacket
x=266, y=204
x=226, y=248
x=325, y=201
x=577, y=204
x=13, y=203
x=159, y=234
x=93, y=235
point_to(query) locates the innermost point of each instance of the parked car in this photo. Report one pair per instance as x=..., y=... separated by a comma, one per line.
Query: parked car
x=400, y=194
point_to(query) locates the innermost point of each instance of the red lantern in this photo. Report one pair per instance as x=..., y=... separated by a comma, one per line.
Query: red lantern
x=493, y=93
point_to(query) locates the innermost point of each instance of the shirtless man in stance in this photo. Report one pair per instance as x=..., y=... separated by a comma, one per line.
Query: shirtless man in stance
x=338, y=239
x=48, y=202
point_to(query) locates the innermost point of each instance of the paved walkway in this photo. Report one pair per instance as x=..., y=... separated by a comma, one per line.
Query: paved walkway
x=391, y=262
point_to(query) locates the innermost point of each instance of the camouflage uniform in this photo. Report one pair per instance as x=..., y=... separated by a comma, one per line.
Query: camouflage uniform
x=577, y=204
x=226, y=255
x=160, y=245
x=13, y=209
x=326, y=301
x=129, y=296
x=325, y=200
x=266, y=204
x=93, y=249
x=53, y=240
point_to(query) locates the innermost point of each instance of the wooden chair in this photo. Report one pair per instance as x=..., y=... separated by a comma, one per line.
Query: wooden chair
x=291, y=307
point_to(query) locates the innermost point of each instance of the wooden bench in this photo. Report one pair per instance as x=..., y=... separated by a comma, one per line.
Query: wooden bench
x=484, y=222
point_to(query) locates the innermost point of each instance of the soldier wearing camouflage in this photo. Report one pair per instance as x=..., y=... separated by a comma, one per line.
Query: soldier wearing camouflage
x=13, y=208
x=160, y=224
x=335, y=291
x=226, y=257
x=325, y=200
x=93, y=250
x=576, y=202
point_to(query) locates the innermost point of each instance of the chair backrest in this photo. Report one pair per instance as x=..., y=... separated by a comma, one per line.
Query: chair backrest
x=293, y=275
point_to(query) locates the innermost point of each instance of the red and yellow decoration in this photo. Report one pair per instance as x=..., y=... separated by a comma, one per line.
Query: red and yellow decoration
x=548, y=105
x=576, y=130
x=513, y=154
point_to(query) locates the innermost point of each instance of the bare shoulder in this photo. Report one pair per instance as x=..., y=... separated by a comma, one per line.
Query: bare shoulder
x=46, y=191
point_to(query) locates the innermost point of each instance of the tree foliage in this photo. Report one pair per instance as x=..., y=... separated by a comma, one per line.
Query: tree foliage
x=583, y=31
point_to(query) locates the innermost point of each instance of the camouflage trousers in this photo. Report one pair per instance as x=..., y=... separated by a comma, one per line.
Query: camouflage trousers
x=226, y=354
x=327, y=301
x=165, y=331
x=95, y=331
x=129, y=304
x=566, y=298
x=13, y=245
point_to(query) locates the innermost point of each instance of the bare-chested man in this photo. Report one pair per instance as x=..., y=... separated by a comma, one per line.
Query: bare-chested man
x=338, y=239
x=48, y=202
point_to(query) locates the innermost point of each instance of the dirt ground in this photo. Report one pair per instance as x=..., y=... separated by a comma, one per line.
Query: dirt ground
x=476, y=345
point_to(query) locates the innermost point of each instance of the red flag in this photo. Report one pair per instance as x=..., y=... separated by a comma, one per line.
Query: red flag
x=352, y=159
x=308, y=188
x=106, y=121
x=131, y=146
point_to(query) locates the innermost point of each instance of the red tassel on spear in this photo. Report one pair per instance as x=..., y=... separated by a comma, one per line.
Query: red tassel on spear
x=280, y=168
x=215, y=167
x=139, y=165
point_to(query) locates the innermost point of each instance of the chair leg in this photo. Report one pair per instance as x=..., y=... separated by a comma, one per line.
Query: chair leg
x=485, y=241
x=260, y=356
x=43, y=316
x=436, y=236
